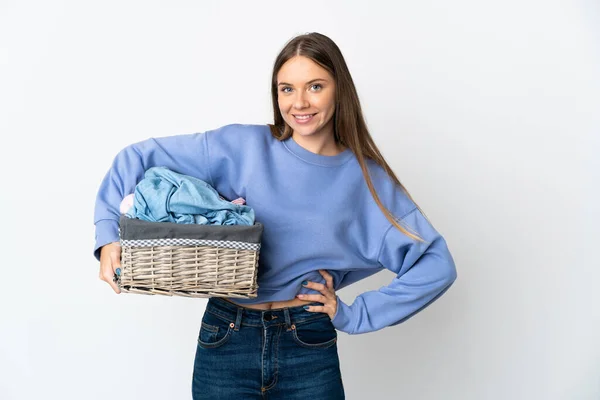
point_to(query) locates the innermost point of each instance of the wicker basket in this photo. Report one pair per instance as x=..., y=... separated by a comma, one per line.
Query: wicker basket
x=189, y=260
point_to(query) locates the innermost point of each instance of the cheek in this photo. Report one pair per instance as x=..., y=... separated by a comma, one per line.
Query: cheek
x=327, y=103
x=332, y=101
x=283, y=106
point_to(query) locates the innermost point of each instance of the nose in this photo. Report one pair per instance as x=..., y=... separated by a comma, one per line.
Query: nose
x=300, y=101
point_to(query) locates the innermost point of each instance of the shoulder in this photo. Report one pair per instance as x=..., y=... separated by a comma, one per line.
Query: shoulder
x=238, y=140
x=236, y=131
x=392, y=195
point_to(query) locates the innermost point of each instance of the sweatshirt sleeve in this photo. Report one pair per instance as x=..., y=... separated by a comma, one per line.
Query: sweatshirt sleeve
x=186, y=154
x=424, y=271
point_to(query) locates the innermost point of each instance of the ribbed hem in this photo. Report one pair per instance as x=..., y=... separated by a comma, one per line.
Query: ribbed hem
x=267, y=295
x=107, y=231
x=342, y=320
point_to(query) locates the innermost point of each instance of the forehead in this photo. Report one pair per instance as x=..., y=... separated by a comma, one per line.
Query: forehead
x=300, y=69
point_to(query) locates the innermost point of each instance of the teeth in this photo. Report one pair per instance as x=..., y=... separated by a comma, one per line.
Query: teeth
x=303, y=117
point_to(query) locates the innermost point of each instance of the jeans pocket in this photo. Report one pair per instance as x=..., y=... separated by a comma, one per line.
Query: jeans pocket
x=215, y=331
x=317, y=333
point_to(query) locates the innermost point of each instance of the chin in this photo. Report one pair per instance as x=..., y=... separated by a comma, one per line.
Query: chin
x=302, y=130
x=306, y=132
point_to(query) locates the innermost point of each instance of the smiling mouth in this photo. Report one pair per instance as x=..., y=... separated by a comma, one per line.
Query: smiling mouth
x=304, y=118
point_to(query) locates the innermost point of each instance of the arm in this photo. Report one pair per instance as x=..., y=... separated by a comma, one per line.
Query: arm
x=424, y=272
x=186, y=154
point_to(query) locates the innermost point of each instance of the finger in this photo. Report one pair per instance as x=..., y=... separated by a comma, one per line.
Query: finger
x=320, y=288
x=108, y=277
x=116, y=267
x=115, y=258
x=313, y=297
x=328, y=278
x=315, y=285
x=316, y=309
x=114, y=286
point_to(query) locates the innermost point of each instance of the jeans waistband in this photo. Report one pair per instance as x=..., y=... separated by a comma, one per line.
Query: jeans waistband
x=236, y=314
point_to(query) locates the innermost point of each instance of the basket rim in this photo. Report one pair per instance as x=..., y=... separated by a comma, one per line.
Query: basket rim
x=137, y=229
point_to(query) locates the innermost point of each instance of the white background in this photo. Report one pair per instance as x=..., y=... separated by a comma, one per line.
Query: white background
x=487, y=111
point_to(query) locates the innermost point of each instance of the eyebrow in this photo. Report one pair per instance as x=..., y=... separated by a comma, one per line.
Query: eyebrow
x=314, y=80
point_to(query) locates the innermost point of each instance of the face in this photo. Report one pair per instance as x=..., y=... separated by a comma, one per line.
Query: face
x=306, y=97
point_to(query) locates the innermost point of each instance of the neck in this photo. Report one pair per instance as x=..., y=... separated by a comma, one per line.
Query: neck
x=319, y=143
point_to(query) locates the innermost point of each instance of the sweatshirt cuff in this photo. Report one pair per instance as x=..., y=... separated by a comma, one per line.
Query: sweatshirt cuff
x=107, y=231
x=342, y=320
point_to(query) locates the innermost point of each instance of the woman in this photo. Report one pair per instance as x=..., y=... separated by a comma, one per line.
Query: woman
x=333, y=213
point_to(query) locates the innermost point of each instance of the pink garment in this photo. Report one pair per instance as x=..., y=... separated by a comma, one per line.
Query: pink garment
x=126, y=203
x=240, y=201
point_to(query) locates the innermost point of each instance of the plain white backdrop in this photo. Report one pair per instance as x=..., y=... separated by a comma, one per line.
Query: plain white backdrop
x=487, y=111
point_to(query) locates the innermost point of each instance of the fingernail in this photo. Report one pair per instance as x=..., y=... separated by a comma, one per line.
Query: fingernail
x=118, y=271
x=305, y=307
x=304, y=283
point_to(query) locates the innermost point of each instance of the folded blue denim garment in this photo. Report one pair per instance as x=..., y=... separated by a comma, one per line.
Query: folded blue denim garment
x=166, y=196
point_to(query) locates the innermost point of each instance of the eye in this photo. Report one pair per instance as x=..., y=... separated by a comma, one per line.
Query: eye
x=285, y=87
x=316, y=84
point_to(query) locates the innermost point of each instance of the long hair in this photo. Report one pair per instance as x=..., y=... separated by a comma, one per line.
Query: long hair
x=350, y=129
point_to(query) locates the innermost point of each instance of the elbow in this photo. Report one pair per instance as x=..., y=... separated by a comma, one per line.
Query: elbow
x=450, y=274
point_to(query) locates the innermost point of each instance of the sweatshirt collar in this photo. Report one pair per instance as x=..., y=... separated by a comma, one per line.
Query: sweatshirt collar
x=314, y=158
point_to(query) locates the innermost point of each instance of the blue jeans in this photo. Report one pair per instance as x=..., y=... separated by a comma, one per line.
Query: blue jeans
x=284, y=353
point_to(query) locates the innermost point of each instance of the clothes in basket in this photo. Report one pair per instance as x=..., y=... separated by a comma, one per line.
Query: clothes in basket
x=167, y=196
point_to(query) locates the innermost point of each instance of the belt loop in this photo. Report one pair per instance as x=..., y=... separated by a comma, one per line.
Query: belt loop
x=238, y=319
x=288, y=322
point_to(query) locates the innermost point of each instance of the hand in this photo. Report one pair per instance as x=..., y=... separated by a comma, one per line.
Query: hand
x=110, y=260
x=328, y=298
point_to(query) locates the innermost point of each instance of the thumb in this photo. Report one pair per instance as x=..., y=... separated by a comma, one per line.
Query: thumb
x=115, y=258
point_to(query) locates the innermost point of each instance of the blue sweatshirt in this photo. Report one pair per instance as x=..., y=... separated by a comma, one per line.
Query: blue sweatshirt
x=317, y=213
